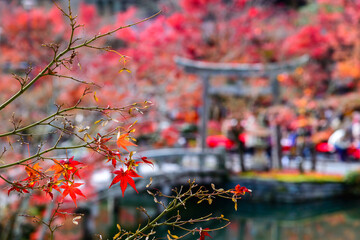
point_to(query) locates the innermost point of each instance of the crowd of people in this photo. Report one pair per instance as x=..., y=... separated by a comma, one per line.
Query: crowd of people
x=324, y=130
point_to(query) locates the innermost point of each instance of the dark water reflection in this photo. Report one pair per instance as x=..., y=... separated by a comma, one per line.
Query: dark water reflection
x=331, y=220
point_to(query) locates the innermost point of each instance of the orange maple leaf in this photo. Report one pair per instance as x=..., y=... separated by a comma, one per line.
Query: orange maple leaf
x=123, y=141
x=65, y=168
x=34, y=175
x=33, y=171
x=57, y=168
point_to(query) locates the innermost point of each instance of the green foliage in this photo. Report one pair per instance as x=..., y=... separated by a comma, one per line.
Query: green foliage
x=353, y=177
x=307, y=13
x=294, y=176
x=353, y=180
x=329, y=8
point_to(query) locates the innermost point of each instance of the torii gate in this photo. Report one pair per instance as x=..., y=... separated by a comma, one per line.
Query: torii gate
x=241, y=70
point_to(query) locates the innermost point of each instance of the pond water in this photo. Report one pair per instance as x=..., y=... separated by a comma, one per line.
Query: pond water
x=331, y=220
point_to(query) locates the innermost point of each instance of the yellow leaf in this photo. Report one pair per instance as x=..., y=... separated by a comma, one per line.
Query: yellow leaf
x=81, y=129
x=98, y=121
x=223, y=218
x=132, y=124
x=117, y=235
x=95, y=97
x=173, y=236
x=118, y=226
x=87, y=136
x=124, y=69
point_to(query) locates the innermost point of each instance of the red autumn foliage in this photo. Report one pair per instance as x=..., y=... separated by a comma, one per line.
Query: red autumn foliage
x=125, y=178
x=208, y=30
x=240, y=190
x=310, y=40
x=72, y=190
x=204, y=234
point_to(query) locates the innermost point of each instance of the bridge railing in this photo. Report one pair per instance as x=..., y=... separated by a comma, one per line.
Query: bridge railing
x=172, y=166
x=184, y=159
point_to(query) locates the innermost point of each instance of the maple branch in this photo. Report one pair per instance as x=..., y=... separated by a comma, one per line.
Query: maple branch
x=96, y=37
x=38, y=155
x=64, y=58
x=69, y=48
x=27, y=86
x=60, y=112
x=9, y=182
x=180, y=200
x=75, y=79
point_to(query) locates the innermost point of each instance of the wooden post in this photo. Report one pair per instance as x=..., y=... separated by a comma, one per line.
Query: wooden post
x=276, y=230
x=276, y=153
x=313, y=156
x=205, y=111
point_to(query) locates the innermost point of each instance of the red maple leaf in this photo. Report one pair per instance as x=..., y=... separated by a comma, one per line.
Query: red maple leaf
x=145, y=160
x=123, y=141
x=240, y=190
x=69, y=165
x=204, y=234
x=100, y=141
x=113, y=161
x=72, y=190
x=52, y=184
x=17, y=187
x=111, y=156
x=125, y=178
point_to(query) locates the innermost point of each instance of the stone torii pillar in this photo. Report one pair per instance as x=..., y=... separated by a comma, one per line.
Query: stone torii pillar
x=241, y=70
